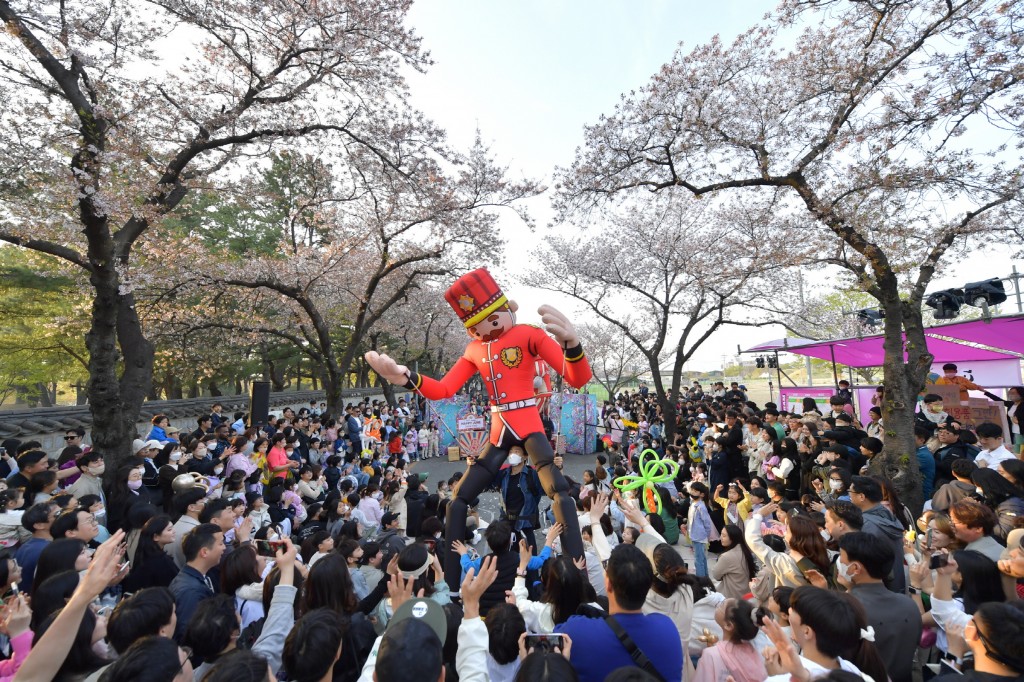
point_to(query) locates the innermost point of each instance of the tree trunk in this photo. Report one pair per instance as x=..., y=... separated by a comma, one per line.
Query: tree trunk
x=389, y=392
x=332, y=389
x=174, y=388
x=276, y=378
x=44, y=394
x=214, y=390
x=903, y=381
x=112, y=431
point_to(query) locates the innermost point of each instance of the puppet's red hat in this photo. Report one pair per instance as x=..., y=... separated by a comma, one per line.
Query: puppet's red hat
x=474, y=296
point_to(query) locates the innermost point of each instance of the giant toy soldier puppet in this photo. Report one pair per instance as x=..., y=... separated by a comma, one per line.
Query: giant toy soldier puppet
x=504, y=353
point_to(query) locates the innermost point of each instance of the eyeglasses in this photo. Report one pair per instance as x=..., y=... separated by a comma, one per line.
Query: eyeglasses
x=71, y=437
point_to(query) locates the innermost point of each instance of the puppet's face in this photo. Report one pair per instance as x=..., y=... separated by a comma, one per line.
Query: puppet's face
x=496, y=324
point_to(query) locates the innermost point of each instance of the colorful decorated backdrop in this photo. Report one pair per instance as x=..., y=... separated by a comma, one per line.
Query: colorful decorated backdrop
x=579, y=416
x=446, y=414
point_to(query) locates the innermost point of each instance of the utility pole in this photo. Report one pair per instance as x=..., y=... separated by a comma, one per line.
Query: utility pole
x=807, y=358
x=1016, y=288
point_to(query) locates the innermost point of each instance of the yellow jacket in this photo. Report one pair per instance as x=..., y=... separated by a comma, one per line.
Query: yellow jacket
x=744, y=506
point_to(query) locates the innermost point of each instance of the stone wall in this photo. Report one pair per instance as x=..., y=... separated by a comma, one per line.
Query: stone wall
x=49, y=424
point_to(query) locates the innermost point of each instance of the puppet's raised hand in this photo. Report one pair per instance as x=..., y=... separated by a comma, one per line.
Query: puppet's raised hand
x=386, y=367
x=559, y=326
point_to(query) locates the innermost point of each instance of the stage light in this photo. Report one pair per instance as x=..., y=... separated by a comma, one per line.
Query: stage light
x=981, y=294
x=759, y=361
x=946, y=303
x=871, y=317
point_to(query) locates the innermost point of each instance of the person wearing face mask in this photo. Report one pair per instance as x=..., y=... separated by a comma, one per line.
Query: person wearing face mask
x=177, y=461
x=864, y=561
x=126, y=491
x=521, y=491
x=931, y=415
x=91, y=481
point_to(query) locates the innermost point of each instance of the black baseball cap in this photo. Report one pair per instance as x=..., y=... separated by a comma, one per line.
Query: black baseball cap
x=411, y=645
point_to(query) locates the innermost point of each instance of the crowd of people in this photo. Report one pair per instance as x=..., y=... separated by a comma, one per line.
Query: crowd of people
x=312, y=548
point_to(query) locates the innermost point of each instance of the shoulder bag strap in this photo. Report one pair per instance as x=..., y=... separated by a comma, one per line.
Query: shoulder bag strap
x=632, y=649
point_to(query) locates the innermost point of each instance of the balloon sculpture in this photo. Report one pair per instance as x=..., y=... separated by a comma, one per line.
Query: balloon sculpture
x=504, y=353
x=652, y=470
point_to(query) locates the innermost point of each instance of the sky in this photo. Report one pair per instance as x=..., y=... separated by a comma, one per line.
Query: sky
x=531, y=73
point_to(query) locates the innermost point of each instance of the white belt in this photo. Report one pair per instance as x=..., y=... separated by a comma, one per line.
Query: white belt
x=505, y=407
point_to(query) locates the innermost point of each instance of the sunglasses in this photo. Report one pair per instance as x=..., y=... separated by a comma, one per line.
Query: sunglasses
x=71, y=437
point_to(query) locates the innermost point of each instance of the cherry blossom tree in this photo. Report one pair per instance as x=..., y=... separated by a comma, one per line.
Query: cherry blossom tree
x=614, y=359
x=376, y=242
x=665, y=272
x=892, y=128
x=117, y=109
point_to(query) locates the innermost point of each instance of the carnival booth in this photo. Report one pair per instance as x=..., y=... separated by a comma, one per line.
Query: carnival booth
x=988, y=352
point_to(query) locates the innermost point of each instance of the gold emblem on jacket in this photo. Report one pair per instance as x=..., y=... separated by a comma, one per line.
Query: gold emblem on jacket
x=512, y=357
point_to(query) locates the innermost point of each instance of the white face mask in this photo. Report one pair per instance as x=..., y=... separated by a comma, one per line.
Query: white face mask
x=835, y=485
x=218, y=470
x=843, y=571
x=825, y=535
x=175, y=456
x=98, y=469
x=980, y=491
x=378, y=496
x=515, y=460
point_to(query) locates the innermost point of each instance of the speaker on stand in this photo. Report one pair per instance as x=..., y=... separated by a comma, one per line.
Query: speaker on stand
x=259, y=403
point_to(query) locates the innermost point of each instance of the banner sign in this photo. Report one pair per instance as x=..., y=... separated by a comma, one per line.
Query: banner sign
x=471, y=423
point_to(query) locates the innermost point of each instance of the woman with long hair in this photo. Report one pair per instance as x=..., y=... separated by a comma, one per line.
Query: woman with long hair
x=126, y=491
x=1013, y=471
x=329, y=585
x=977, y=580
x=1015, y=414
x=240, y=578
x=152, y=566
x=63, y=554
x=82, y=660
x=891, y=501
x=807, y=549
x=736, y=566
x=566, y=588
x=832, y=633
x=1003, y=497
x=809, y=405
x=176, y=463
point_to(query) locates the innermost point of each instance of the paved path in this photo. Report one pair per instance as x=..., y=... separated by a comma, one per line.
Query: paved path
x=441, y=468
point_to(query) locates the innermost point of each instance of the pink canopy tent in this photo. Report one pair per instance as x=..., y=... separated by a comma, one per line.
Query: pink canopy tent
x=1001, y=333
x=1004, y=336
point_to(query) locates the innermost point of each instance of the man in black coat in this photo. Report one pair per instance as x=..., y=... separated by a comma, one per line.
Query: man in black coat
x=730, y=442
